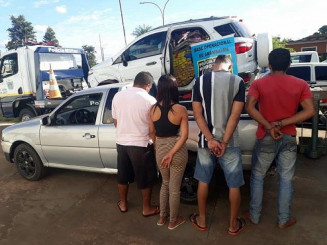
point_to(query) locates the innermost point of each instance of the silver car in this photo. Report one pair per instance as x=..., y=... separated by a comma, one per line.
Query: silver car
x=80, y=135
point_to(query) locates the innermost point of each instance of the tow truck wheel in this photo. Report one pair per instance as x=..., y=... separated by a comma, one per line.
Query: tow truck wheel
x=28, y=163
x=26, y=114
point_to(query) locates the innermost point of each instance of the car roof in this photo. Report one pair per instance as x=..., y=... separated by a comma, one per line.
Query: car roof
x=192, y=21
x=104, y=88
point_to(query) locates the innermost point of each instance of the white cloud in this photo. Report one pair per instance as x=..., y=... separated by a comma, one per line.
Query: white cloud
x=287, y=19
x=5, y=3
x=40, y=28
x=39, y=3
x=61, y=9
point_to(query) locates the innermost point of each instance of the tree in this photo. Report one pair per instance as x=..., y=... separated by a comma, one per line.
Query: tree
x=277, y=43
x=90, y=54
x=50, y=36
x=323, y=29
x=141, y=30
x=20, y=32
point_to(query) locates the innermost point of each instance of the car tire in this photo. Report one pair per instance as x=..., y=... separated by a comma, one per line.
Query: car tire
x=26, y=114
x=28, y=163
x=264, y=47
x=189, y=184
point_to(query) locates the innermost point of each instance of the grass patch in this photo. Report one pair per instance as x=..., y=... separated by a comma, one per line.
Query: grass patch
x=4, y=119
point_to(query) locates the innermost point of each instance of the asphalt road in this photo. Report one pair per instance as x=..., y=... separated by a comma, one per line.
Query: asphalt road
x=72, y=207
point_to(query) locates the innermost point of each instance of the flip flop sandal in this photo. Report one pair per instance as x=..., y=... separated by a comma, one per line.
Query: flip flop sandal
x=178, y=224
x=161, y=224
x=194, y=222
x=241, y=227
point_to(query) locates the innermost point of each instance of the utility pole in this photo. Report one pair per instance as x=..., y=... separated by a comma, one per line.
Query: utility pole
x=101, y=49
x=122, y=21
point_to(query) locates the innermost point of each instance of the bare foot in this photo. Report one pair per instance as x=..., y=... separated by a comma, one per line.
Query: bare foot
x=153, y=211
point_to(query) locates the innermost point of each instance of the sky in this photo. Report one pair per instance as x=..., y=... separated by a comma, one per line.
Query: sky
x=80, y=22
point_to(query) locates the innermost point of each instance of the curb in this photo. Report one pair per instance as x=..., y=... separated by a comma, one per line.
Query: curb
x=6, y=124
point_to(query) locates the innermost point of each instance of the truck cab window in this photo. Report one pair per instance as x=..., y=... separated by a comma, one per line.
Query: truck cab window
x=9, y=65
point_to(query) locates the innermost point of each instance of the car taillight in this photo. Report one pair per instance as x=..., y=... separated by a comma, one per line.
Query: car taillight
x=187, y=96
x=242, y=47
x=247, y=79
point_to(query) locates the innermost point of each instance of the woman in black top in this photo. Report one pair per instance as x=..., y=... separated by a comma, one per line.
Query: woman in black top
x=169, y=132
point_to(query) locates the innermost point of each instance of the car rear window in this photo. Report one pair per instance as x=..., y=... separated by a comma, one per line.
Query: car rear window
x=321, y=73
x=302, y=72
x=236, y=28
x=301, y=58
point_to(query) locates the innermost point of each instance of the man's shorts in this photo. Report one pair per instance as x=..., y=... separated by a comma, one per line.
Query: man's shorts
x=135, y=162
x=230, y=162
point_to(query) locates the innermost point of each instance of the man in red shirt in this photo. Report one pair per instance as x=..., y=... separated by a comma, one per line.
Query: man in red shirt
x=278, y=96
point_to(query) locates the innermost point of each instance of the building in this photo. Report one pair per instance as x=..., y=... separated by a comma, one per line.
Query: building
x=316, y=42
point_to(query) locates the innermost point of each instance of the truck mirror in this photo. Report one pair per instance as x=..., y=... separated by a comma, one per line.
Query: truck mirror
x=45, y=121
x=124, y=59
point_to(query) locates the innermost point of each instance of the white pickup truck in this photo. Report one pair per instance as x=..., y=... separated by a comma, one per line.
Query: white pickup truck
x=24, y=78
x=80, y=135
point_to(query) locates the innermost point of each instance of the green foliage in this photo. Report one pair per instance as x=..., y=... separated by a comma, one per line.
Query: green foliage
x=90, y=54
x=21, y=30
x=50, y=36
x=141, y=30
x=278, y=43
x=323, y=29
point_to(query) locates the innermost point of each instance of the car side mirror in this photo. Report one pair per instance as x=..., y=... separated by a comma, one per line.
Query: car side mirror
x=45, y=121
x=124, y=59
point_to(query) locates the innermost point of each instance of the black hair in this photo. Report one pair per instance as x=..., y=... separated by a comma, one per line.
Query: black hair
x=279, y=59
x=167, y=91
x=223, y=59
x=143, y=78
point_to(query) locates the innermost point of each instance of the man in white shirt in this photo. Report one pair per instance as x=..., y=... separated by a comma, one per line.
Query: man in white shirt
x=130, y=110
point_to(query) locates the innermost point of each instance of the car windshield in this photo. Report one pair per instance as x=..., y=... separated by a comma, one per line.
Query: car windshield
x=60, y=61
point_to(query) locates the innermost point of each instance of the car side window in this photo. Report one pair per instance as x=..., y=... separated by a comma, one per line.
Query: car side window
x=302, y=72
x=148, y=46
x=107, y=114
x=321, y=73
x=9, y=65
x=80, y=110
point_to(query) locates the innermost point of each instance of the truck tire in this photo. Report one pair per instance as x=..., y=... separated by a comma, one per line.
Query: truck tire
x=26, y=114
x=264, y=47
x=28, y=163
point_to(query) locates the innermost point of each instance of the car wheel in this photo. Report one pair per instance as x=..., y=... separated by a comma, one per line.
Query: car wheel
x=189, y=184
x=28, y=163
x=26, y=114
x=264, y=47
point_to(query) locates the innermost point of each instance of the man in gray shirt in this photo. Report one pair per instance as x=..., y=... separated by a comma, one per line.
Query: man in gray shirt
x=218, y=100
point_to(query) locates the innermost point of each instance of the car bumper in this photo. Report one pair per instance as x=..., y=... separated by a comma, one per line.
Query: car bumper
x=6, y=149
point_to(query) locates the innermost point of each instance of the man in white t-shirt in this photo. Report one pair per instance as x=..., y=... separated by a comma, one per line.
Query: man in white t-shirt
x=130, y=111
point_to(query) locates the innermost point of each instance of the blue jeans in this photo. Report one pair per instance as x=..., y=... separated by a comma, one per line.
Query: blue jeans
x=230, y=162
x=284, y=153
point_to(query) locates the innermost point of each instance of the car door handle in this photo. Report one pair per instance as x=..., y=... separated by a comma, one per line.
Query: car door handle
x=151, y=63
x=88, y=136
